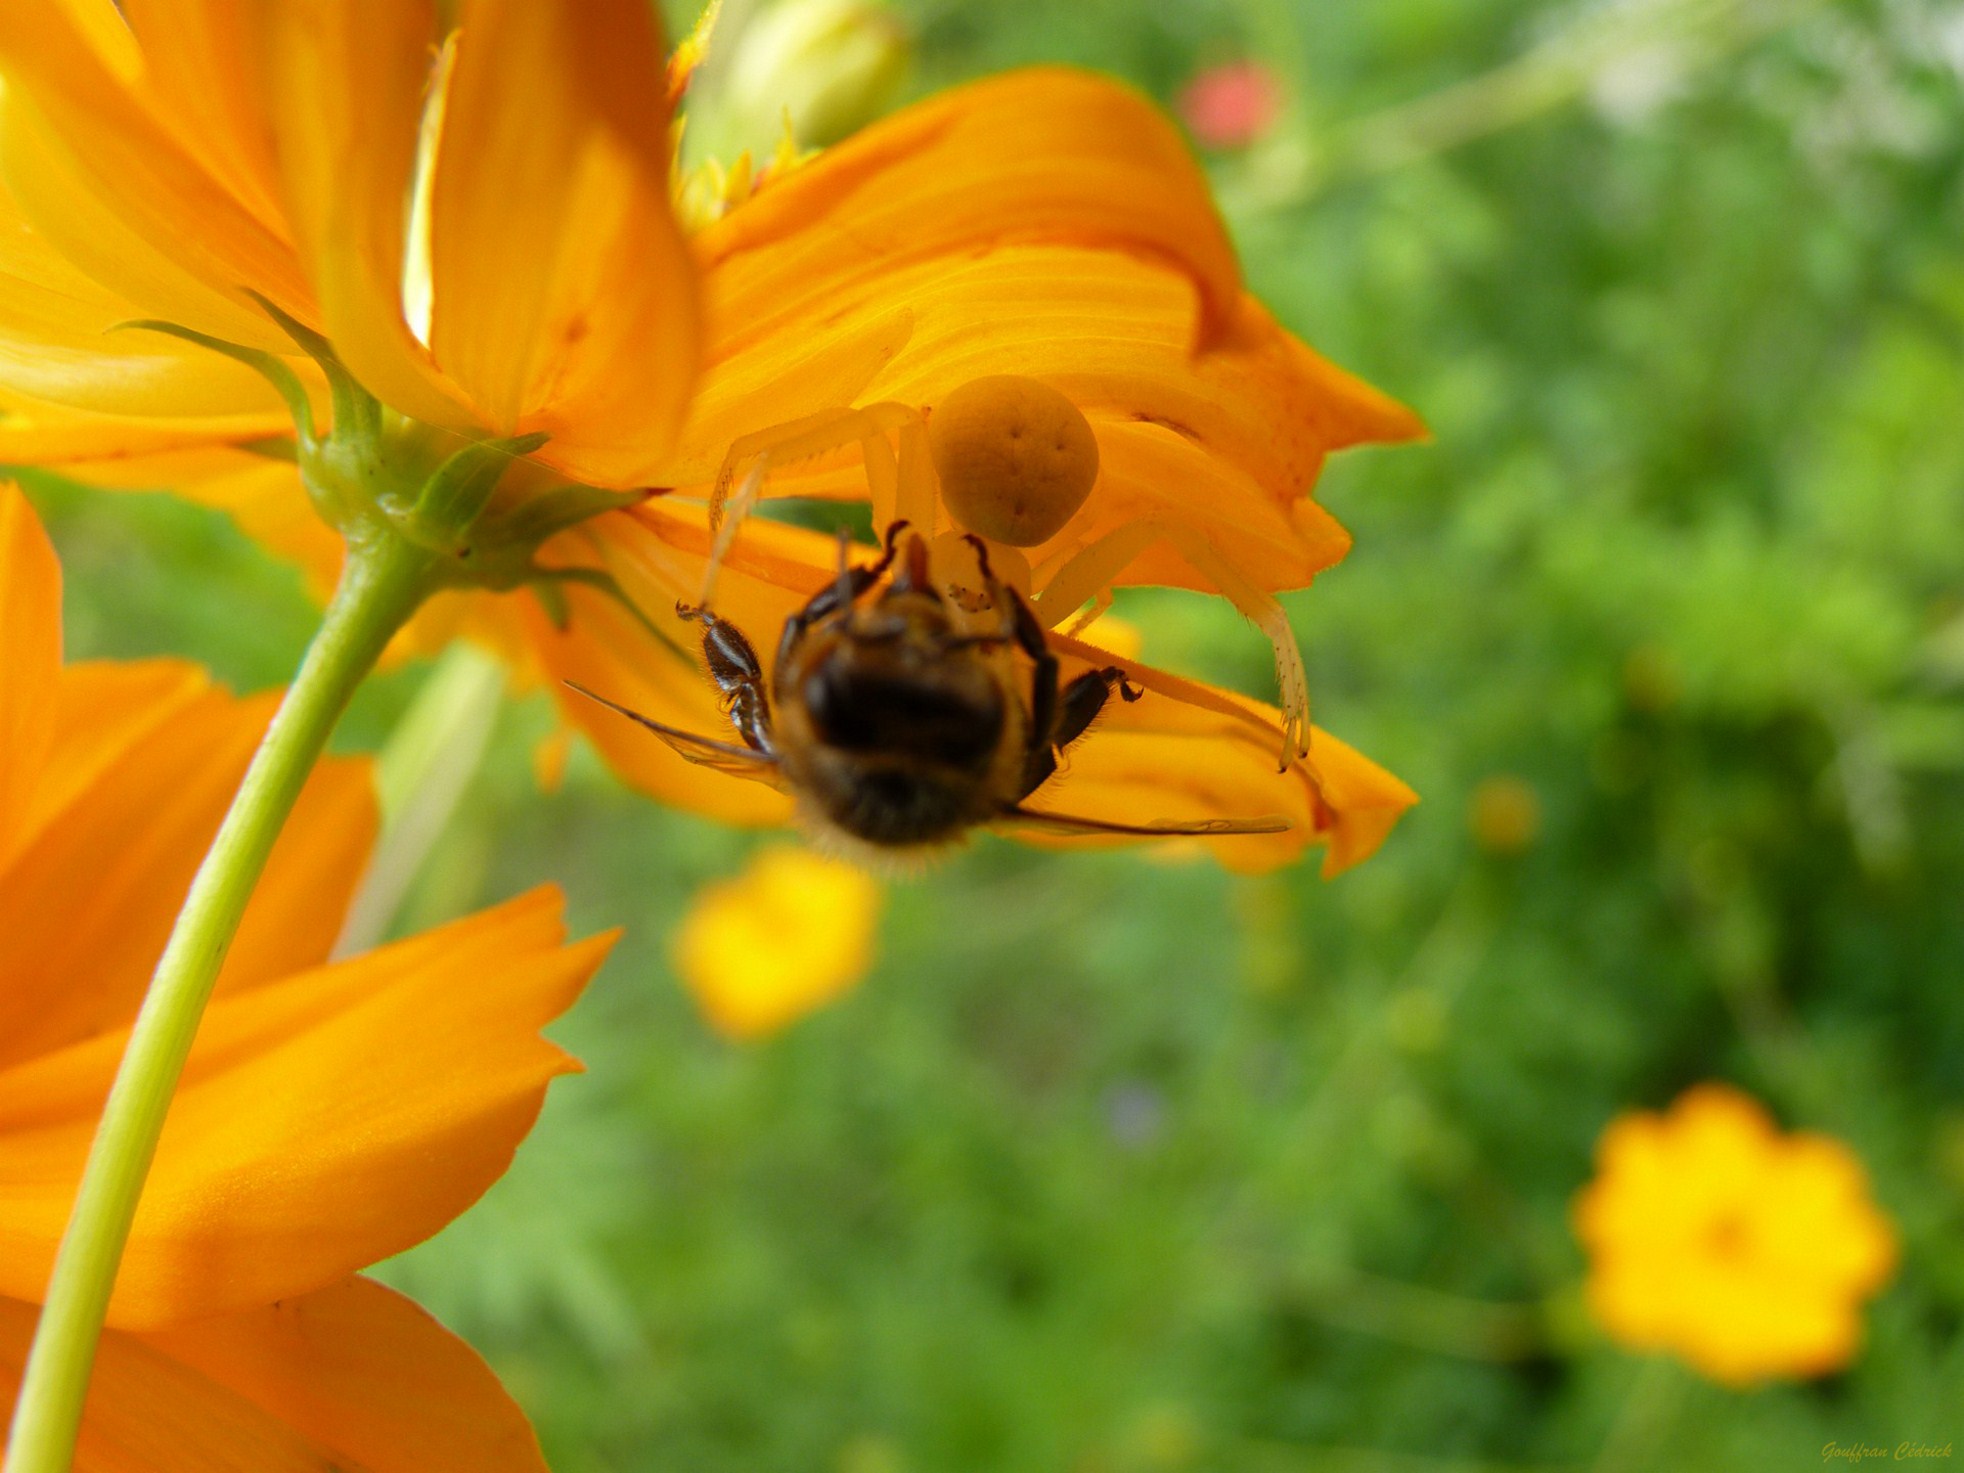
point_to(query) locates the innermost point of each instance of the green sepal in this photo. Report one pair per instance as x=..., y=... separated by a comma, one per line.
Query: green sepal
x=454, y=496
x=603, y=581
x=268, y=366
x=271, y=447
x=377, y=476
x=354, y=407
x=549, y=512
x=552, y=598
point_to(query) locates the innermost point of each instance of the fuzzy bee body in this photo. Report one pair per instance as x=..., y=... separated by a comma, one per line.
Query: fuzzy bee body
x=889, y=728
x=899, y=721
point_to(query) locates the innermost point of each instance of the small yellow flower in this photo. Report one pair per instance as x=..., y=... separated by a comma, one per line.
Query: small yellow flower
x=1713, y=1236
x=1505, y=814
x=788, y=935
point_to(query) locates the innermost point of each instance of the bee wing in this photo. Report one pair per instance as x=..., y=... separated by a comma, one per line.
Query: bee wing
x=1064, y=823
x=704, y=751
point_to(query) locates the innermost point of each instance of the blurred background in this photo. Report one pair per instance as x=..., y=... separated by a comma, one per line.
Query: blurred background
x=1115, y=1163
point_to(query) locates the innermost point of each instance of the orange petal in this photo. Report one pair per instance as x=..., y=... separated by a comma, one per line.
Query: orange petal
x=205, y=81
x=352, y=1377
x=1361, y=802
x=44, y=434
x=782, y=378
x=1185, y=751
x=57, y=340
x=325, y=1121
x=564, y=294
x=30, y=633
x=303, y=897
x=362, y=1370
x=101, y=711
x=348, y=79
x=86, y=903
x=1231, y=440
x=791, y=933
x=202, y=460
x=84, y=149
x=1045, y=154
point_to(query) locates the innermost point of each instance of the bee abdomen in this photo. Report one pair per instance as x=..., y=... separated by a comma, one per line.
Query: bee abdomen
x=859, y=710
x=896, y=808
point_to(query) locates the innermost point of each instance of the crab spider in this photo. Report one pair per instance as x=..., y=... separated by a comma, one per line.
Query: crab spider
x=1010, y=461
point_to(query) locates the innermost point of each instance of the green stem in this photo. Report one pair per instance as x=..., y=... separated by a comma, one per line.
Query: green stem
x=381, y=585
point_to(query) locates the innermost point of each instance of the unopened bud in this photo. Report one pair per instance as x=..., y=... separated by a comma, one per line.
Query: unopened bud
x=831, y=65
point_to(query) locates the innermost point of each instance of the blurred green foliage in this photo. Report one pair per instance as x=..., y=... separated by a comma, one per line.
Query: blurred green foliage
x=1119, y=1165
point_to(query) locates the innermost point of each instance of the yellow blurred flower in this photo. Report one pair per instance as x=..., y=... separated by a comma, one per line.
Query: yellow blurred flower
x=1745, y=1251
x=791, y=933
x=1504, y=814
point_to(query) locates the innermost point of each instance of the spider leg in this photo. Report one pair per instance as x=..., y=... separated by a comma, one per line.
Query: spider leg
x=1095, y=567
x=917, y=493
x=786, y=444
x=738, y=674
x=1100, y=606
x=802, y=439
x=915, y=573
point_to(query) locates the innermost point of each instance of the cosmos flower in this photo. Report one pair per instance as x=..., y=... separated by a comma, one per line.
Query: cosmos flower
x=1744, y=1251
x=788, y=935
x=333, y=1113
x=489, y=247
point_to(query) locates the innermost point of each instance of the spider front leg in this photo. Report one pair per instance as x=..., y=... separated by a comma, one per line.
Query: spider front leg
x=1088, y=573
x=803, y=439
x=739, y=675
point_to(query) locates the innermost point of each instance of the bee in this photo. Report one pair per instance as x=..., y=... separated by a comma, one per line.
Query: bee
x=895, y=722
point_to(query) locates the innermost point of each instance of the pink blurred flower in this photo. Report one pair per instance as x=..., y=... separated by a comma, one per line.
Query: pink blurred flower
x=1231, y=105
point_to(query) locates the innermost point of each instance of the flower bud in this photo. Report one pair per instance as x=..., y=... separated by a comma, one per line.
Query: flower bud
x=832, y=65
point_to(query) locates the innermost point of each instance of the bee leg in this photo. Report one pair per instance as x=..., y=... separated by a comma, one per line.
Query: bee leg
x=738, y=674
x=1041, y=760
x=1096, y=567
x=1077, y=706
x=838, y=594
x=1085, y=697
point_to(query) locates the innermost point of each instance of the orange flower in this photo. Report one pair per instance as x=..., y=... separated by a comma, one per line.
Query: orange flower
x=332, y=1113
x=162, y=159
x=1713, y=1236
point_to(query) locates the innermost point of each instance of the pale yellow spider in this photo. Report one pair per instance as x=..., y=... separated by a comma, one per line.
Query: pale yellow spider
x=1011, y=461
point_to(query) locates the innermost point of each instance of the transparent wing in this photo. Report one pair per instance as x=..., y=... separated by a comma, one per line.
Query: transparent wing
x=1064, y=823
x=704, y=751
